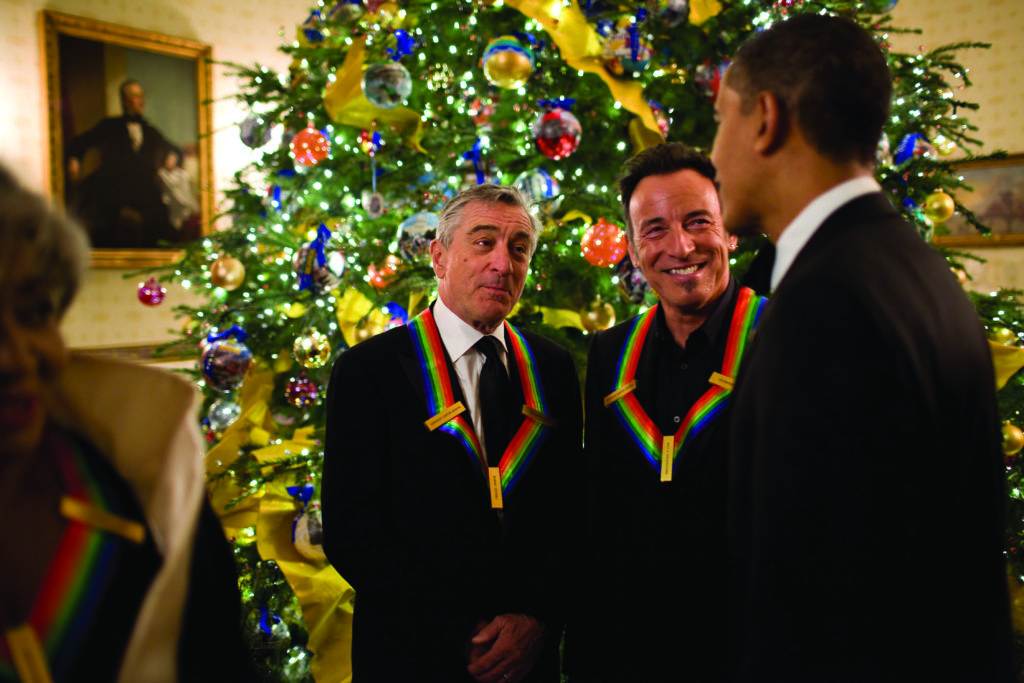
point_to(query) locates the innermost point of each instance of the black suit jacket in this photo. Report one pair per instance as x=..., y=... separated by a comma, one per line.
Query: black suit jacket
x=867, y=503
x=407, y=517
x=125, y=179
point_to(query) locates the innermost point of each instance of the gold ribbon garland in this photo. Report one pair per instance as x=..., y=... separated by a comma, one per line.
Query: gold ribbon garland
x=346, y=104
x=582, y=49
x=325, y=597
x=1007, y=360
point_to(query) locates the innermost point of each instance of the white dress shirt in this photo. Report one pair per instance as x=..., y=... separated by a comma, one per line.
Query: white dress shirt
x=795, y=235
x=458, y=338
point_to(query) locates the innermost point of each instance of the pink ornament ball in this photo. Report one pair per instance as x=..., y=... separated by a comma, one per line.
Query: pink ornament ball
x=151, y=292
x=301, y=391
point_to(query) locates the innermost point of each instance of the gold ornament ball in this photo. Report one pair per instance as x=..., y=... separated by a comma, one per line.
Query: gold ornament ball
x=1002, y=335
x=599, y=317
x=312, y=349
x=507, y=63
x=939, y=207
x=944, y=146
x=1013, y=439
x=227, y=272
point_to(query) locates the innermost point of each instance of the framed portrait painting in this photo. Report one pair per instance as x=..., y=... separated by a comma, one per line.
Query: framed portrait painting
x=997, y=200
x=129, y=123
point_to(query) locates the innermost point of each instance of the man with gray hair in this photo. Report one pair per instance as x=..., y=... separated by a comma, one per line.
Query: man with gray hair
x=447, y=469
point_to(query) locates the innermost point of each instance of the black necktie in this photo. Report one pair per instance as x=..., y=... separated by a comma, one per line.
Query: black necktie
x=495, y=399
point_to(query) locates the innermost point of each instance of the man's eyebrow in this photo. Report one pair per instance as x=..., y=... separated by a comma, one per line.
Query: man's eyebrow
x=654, y=220
x=483, y=227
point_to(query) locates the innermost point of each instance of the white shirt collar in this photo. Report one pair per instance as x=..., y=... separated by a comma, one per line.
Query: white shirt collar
x=795, y=235
x=457, y=335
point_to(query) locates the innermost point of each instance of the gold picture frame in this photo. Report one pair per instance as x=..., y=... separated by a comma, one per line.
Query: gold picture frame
x=141, y=182
x=996, y=198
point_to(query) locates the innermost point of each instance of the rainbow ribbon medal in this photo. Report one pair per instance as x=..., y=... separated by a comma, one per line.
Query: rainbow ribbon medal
x=78, y=575
x=662, y=450
x=449, y=415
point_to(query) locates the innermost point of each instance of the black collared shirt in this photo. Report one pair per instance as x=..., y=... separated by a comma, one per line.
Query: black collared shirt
x=676, y=377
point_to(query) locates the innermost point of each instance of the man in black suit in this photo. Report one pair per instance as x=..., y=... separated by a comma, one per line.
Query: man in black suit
x=866, y=481
x=121, y=201
x=657, y=532
x=447, y=477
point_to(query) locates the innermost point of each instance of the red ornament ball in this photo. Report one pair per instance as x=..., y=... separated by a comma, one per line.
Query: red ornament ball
x=310, y=146
x=603, y=244
x=151, y=292
x=301, y=391
x=557, y=133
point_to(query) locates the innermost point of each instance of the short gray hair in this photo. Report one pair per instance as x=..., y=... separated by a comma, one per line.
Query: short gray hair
x=32, y=231
x=490, y=194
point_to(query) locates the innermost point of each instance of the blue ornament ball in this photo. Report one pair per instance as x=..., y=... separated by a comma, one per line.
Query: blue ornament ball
x=632, y=282
x=254, y=131
x=222, y=413
x=225, y=362
x=539, y=187
x=387, y=85
x=415, y=234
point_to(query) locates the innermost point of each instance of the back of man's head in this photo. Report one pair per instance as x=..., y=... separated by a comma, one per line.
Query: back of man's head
x=830, y=77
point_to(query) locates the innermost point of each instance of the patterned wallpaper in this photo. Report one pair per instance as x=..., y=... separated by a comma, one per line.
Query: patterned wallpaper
x=107, y=313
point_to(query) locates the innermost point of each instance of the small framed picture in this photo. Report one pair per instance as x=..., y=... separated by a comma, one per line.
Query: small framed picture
x=129, y=124
x=996, y=198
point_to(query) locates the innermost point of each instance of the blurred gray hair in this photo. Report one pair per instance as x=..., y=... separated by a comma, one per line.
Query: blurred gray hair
x=490, y=194
x=31, y=231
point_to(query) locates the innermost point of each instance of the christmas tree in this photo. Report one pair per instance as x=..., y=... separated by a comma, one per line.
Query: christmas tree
x=385, y=112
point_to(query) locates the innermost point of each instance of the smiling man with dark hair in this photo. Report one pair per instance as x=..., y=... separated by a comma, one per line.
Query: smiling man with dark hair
x=657, y=386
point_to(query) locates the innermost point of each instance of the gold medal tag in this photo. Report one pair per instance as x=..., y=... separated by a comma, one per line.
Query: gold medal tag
x=619, y=393
x=445, y=415
x=494, y=483
x=75, y=509
x=668, y=449
x=27, y=653
x=720, y=380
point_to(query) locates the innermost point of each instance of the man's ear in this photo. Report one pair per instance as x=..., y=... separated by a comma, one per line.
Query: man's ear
x=733, y=241
x=773, y=123
x=438, y=258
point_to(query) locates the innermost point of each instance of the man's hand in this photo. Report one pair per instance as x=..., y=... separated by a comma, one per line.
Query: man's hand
x=74, y=168
x=505, y=649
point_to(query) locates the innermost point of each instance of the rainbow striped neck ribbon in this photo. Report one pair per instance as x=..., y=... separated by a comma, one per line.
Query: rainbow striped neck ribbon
x=79, y=574
x=450, y=415
x=662, y=450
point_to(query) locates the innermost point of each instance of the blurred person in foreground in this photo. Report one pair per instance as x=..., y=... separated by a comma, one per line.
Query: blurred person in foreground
x=867, y=501
x=114, y=566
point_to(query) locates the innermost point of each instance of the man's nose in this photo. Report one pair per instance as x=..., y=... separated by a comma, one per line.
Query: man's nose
x=682, y=242
x=501, y=258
